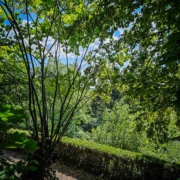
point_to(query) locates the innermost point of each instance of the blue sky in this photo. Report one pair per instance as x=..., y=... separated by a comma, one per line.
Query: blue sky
x=117, y=33
x=71, y=56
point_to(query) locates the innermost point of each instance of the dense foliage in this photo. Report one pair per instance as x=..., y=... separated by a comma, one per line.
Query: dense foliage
x=103, y=71
x=14, y=140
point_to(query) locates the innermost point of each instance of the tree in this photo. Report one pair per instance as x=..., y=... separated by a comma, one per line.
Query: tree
x=119, y=128
x=12, y=77
x=43, y=34
x=146, y=40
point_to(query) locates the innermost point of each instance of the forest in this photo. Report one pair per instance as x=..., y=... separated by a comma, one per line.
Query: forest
x=94, y=84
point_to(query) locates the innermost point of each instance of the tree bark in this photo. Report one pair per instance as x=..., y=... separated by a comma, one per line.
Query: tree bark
x=40, y=172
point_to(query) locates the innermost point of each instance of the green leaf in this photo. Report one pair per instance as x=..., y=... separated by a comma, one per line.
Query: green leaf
x=3, y=118
x=2, y=175
x=17, y=137
x=5, y=112
x=30, y=145
x=18, y=116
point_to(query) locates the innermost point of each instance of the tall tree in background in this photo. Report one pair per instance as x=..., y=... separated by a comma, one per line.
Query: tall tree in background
x=52, y=40
x=149, y=38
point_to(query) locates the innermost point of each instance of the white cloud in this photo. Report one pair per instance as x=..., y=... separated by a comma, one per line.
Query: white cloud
x=94, y=45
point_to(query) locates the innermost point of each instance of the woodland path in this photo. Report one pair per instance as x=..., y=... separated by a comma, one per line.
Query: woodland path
x=62, y=172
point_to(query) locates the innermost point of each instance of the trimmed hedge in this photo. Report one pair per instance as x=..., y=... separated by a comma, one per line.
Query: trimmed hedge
x=114, y=163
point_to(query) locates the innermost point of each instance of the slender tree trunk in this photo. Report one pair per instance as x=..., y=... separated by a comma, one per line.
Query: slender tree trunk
x=40, y=172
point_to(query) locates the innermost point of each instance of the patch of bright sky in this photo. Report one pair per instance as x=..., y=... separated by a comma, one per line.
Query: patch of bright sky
x=24, y=16
x=138, y=10
x=116, y=34
x=71, y=56
x=7, y=22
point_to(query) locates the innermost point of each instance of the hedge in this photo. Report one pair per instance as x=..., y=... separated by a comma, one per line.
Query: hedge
x=114, y=163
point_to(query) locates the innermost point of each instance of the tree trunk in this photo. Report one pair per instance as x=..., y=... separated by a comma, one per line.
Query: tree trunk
x=40, y=172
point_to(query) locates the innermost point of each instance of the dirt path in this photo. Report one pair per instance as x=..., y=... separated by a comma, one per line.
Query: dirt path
x=62, y=172
x=68, y=173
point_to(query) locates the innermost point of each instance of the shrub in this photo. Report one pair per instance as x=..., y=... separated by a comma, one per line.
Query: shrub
x=114, y=163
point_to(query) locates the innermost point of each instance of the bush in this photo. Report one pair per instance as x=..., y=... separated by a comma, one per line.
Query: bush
x=115, y=163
